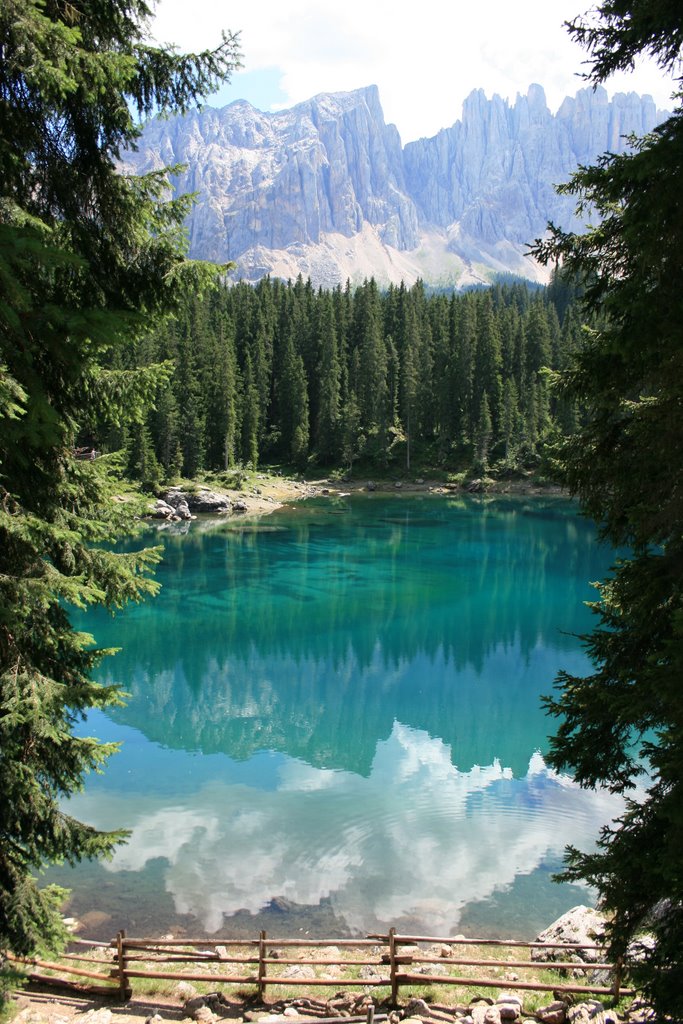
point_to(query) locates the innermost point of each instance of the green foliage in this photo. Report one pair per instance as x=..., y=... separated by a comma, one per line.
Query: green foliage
x=88, y=260
x=279, y=372
x=622, y=725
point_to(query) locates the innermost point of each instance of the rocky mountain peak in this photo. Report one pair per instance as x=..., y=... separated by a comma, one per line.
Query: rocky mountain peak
x=326, y=188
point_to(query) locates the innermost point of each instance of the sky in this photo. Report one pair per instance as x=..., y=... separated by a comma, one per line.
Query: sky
x=425, y=56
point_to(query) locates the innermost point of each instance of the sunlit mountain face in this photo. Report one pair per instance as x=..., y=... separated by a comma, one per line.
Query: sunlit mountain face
x=327, y=190
x=334, y=724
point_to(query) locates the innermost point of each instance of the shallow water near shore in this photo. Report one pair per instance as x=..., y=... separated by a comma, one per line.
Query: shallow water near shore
x=334, y=724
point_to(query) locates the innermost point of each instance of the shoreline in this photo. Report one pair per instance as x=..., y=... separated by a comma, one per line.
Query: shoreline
x=267, y=493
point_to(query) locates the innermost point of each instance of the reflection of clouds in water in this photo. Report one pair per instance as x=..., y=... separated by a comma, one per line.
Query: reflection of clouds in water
x=417, y=840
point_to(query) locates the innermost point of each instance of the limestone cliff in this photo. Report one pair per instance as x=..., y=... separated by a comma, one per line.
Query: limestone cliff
x=326, y=189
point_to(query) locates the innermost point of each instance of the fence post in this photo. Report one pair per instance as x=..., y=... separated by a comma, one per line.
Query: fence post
x=123, y=979
x=618, y=973
x=392, y=966
x=262, y=966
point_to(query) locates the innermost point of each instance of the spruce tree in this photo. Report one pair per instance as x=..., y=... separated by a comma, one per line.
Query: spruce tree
x=250, y=417
x=328, y=432
x=621, y=726
x=89, y=259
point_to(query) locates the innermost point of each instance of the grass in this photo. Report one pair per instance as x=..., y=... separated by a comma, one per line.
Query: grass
x=284, y=989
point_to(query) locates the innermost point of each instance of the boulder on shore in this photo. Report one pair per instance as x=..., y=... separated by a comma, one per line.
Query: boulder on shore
x=580, y=926
x=201, y=500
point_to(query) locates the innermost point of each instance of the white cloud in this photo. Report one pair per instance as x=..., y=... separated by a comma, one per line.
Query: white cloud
x=424, y=57
x=417, y=840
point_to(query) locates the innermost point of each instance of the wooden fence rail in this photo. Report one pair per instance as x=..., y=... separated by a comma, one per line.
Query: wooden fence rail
x=389, y=958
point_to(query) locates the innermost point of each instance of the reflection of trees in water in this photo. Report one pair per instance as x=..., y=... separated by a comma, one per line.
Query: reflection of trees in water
x=313, y=639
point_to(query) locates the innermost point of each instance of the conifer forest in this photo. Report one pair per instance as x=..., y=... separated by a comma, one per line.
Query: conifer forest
x=390, y=380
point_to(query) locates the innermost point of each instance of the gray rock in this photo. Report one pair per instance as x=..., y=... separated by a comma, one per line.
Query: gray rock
x=509, y=997
x=509, y=1006
x=240, y=506
x=100, y=1016
x=204, y=1015
x=162, y=510
x=641, y=948
x=417, y=1008
x=434, y=969
x=298, y=971
x=553, y=1013
x=579, y=926
x=193, y=1004
x=368, y=971
x=583, y=925
x=184, y=991
x=589, y=1012
x=640, y=1012
x=208, y=501
x=203, y=500
x=328, y=953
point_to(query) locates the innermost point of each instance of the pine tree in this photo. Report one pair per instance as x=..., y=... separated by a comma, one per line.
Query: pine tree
x=463, y=333
x=250, y=417
x=89, y=259
x=482, y=437
x=487, y=359
x=293, y=401
x=142, y=463
x=409, y=376
x=510, y=426
x=622, y=724
x=329, y=386
x=218, y=375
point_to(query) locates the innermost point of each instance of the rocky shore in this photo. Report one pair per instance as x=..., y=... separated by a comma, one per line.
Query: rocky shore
x=267, y=493
x=183, y=504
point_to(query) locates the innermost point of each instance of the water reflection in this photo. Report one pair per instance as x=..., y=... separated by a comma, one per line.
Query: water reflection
x=412, y=844
x=338, y=707
x=311, y=634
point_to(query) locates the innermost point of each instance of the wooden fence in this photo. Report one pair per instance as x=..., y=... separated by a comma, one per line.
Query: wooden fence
x=388, y=960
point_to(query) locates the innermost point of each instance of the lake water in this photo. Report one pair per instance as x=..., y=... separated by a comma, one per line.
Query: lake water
x=334, y=724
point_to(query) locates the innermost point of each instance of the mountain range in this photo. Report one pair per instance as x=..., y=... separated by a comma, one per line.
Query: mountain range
x=326, y=188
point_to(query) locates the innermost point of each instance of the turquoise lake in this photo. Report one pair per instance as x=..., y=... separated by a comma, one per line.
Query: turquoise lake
x=334, y=724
